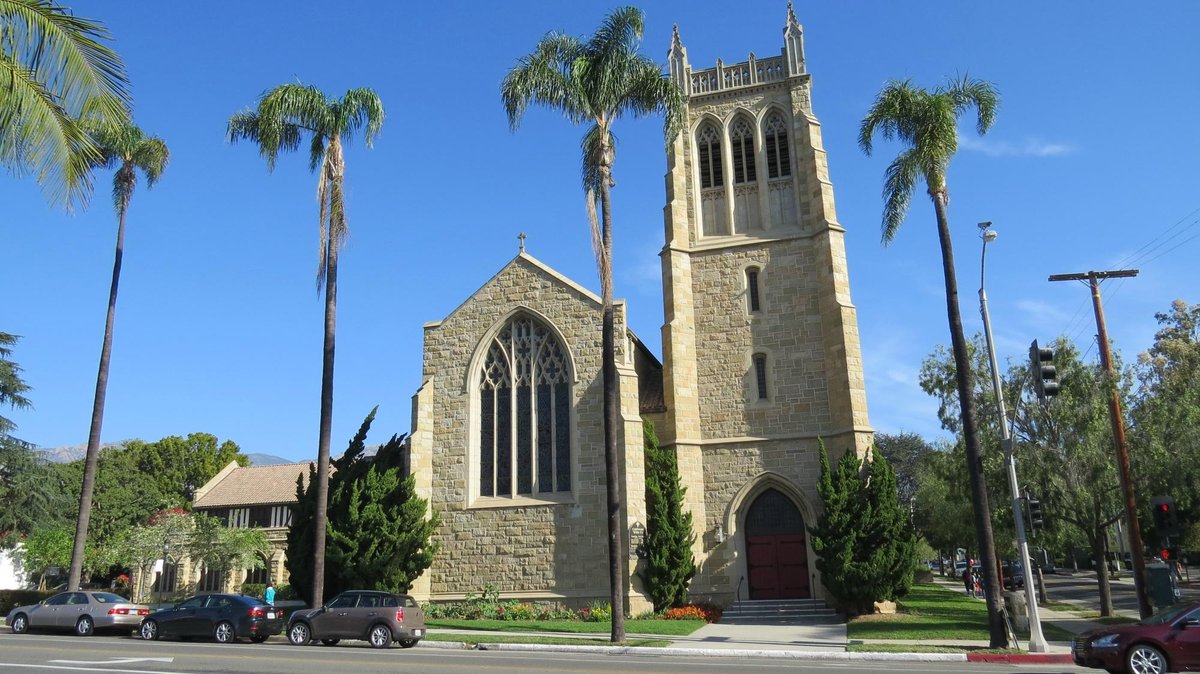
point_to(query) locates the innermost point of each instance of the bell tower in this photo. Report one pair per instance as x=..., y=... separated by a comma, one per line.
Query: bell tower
x=760, y=339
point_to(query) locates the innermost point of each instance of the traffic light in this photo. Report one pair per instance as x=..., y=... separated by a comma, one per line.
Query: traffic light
x=1166, y=520
x=1165, y=554
x=1045, y=375
x=1036, y=519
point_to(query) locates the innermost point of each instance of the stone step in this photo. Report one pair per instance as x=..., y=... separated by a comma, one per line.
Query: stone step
x=779, y=611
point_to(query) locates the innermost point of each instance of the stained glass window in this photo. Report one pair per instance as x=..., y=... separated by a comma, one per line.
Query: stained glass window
x=741, y=145
x=524, y=443
x=708, y=145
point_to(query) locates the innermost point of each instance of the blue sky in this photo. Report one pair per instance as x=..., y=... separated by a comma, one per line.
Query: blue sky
x=1092, y=164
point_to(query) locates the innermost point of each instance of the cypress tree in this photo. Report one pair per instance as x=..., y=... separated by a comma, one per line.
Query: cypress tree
x=670, y=565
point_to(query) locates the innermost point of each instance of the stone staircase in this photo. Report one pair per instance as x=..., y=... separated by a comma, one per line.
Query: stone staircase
x=779, y=612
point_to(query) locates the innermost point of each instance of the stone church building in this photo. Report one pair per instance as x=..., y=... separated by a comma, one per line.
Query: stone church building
x=760, y=360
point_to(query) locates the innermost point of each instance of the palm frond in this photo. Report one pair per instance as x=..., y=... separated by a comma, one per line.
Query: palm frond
x=152, y=157
x=648, y=92
x=967, y=92
x=899, y=182
x=361, y=108
x=543, y=77
x=893, y=114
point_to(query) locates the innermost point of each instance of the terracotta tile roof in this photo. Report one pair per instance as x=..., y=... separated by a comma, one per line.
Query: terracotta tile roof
x=255, y=485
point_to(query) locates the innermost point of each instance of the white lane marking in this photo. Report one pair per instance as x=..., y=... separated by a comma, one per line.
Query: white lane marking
x=5, y=665
x=111, y=661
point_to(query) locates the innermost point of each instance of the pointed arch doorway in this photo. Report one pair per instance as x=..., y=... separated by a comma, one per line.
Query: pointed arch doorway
x=776, y=549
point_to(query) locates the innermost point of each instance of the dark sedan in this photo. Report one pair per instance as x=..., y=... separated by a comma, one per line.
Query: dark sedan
x=1168, y=641
x=81, y=612
x=223, y=617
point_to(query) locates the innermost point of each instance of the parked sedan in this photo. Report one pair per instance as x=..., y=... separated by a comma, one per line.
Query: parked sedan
x=1168, y=641
x=82, y=612
x=376, y=617
x=223, y=617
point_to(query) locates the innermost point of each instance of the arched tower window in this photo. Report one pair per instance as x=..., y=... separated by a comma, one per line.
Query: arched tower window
x=708, y=148
x=713, y=215
x=753, y=296
x=775, y=142
x=524, y=413
x=760, y=376
x=741, y=143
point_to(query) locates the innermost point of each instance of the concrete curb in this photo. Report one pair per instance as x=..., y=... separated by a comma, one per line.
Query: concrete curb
x=731, y=653
x=1022, y=658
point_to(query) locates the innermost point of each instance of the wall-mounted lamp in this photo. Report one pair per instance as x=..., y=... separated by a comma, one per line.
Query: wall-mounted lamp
x=720, y=534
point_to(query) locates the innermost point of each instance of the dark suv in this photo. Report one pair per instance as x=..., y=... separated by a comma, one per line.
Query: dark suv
x=377, y=617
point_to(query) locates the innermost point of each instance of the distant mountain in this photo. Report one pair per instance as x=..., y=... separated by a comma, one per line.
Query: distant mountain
x=259, y=459
x=69, y=453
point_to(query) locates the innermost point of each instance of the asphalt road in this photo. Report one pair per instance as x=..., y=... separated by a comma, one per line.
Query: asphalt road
x=65, y=653
x=1086, y=589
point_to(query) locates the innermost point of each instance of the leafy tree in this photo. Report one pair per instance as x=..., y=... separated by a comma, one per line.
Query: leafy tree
x=139, y=547
x=284, y=115
x=904, y=452
x=225, y=548
x=1165, y=435
x=180, y=465
x=29, y=494
x=127, y=149
x=596, y=82
x=938, y=514
x=670, y=565
x=926, y=123
x=12, y=386
x=379, y=535
x=47, y=550
x=55, y=71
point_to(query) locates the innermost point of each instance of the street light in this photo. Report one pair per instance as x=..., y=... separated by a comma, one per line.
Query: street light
x=1037, y=643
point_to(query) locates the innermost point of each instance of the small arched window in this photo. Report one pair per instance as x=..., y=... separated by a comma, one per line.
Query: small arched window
x=524, y=413
x=753, y=299
x=760, y=375
x=741, y=143
x=776, y=143
x=708, y=149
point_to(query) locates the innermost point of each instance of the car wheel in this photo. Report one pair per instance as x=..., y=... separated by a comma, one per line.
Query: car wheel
x=223, y=633
x=1146, y=659
x=299, y=634
x=330, y=642
x=381, y=637
x=149, y=630
x=84, y=626
x=259, y=638
x=408, y=643
x=20, y=624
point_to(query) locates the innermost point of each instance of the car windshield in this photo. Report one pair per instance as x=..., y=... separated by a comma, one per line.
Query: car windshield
x=108, y=598
x=1166, y=615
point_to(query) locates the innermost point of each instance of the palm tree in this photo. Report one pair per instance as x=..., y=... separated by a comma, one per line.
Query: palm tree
x=128, y=150
x=596, y=82
x=926, y=122
x=285, y=114
x=54, y=70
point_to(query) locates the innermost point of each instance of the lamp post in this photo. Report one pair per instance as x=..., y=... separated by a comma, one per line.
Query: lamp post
x=1037, y=643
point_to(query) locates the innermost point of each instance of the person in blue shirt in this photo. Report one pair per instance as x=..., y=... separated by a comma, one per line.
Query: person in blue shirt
x=269, y=594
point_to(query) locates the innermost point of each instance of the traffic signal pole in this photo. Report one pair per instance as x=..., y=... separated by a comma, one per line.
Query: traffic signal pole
x=1037, y=642
x=1093, y=279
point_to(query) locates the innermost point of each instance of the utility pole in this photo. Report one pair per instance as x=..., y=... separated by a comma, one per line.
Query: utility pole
x=1037, y=642
x=1093, y=279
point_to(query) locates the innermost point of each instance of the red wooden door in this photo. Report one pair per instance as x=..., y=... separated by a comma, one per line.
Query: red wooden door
x=776, y=552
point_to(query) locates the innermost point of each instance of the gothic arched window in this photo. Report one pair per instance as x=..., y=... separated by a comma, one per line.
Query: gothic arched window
x=741, y=144
x=708, y=149
x=776, y=143
x=524, y=413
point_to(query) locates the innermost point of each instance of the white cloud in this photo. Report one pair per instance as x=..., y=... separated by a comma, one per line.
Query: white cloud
x=1031, y=147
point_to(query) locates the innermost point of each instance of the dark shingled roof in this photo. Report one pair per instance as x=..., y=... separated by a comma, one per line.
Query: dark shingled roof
x=650, y=379
x=255, y=485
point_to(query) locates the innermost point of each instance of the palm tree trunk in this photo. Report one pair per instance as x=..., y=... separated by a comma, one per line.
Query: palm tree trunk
x=979, y=498
x=616, y=554
x=92, y=457
x=321, y=515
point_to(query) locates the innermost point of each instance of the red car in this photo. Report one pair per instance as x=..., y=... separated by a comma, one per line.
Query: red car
x=1168, y=641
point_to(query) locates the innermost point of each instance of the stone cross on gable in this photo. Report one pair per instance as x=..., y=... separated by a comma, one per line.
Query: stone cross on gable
x=521, y=242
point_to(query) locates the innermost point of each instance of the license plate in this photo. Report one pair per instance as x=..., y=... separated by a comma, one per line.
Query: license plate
x=418, y=633
x=270, y=615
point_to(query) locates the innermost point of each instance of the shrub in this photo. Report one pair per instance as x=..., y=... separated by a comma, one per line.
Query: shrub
x=597, y=611
x=255, y=590
x=10, y=599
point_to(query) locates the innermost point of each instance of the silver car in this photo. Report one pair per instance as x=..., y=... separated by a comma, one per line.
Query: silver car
x=81, y=612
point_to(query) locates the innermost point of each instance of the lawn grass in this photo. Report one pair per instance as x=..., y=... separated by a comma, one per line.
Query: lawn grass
x=655, y=627
x=926, y=612
x=545, y=641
